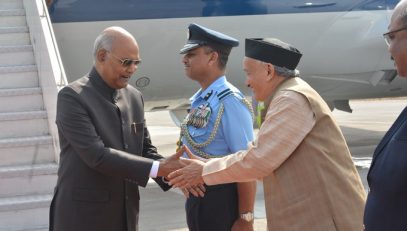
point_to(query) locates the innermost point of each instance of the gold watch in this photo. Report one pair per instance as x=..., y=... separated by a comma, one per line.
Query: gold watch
x=249, y=217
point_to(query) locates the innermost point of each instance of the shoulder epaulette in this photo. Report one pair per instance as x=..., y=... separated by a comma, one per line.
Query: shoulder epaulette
x=221, y=95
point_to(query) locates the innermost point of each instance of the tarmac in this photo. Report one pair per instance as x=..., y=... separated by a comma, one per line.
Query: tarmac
x=363, y=129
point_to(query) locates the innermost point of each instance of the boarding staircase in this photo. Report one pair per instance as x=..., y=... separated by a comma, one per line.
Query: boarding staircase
x=28, y=140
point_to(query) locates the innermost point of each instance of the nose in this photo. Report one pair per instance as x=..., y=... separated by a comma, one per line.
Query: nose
x=184, y=59
x=132, y=68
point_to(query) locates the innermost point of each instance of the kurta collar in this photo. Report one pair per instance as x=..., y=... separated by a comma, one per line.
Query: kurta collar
x=210, y=90
x=104, y=89
x=284, y=84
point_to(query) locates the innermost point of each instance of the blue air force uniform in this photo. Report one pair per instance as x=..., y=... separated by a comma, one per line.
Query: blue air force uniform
x=219, y=122
x=235, y=128
x=232, y=133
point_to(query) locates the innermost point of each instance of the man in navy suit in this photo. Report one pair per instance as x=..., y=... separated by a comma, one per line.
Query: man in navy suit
x=386, y=206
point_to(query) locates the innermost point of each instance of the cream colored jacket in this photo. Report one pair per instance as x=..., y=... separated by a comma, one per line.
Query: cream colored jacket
x=310, y=182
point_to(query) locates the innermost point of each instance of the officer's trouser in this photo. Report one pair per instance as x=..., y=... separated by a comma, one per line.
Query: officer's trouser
x=216, y=211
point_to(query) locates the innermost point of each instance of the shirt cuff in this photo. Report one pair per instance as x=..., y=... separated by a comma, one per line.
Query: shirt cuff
x=154, y=169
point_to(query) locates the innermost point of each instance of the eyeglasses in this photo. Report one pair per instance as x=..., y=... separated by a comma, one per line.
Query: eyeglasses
x=127, y=62
x=389, y=35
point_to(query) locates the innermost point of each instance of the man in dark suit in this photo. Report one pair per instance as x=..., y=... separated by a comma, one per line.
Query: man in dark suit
x=106, y=151
x=386, y=205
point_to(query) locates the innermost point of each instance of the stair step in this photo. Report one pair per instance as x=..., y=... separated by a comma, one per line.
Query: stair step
x=43, y=228
x=25, y=115
x=29, y=213
x=25, y=202
x=20, y=91
x=24, y=99
x=26, y=151
x=14, y=36
x=16, y=55
x=12, y=12
x=12, y=18
x=11, y=4
x=21, y=79
x=28, y=170
x=18, y=69
x=14, y=29
x=24, y=180
x=16, y=48
x=17, y=58
x=26, y=141
x=23, y=124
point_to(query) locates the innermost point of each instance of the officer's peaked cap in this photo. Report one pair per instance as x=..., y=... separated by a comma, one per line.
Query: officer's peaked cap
x=202, y=36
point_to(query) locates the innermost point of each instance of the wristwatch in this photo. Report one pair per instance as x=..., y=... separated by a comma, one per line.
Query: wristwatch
x=249, y=217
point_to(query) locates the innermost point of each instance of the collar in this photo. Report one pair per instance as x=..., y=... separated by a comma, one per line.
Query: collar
x=106, y=91
x=210, y=90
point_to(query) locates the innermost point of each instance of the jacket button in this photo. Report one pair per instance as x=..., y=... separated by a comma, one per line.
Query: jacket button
x=126, y=146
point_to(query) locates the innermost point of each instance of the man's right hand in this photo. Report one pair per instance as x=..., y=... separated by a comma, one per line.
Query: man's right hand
x=172, y=163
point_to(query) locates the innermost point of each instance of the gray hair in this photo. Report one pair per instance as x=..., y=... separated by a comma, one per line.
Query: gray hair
x=402, y=12
x=103, y=41
x=283, y=71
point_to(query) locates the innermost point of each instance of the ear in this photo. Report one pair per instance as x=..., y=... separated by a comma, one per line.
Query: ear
x=101, y=55
x=270, y=71
x=214, y=57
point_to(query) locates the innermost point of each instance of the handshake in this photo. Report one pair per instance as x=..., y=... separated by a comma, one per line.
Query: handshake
x=183, y=173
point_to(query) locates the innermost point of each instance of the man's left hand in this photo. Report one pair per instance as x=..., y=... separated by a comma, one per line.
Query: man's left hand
x=197, y=191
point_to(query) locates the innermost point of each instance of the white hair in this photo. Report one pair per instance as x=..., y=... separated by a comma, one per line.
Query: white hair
x=283, y=71
x=106, y=39
x=103, y=41
x=401, y=12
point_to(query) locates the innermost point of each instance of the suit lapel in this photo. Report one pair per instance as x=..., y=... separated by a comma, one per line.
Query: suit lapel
x=399, y=121
x=396, y=125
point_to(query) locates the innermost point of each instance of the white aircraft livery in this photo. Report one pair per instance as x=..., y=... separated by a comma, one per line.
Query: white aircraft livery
x=344, y=54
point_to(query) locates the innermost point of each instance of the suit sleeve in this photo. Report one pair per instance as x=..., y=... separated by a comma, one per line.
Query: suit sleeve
x=77, y=128
x=287, y=123
x=150, y=151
